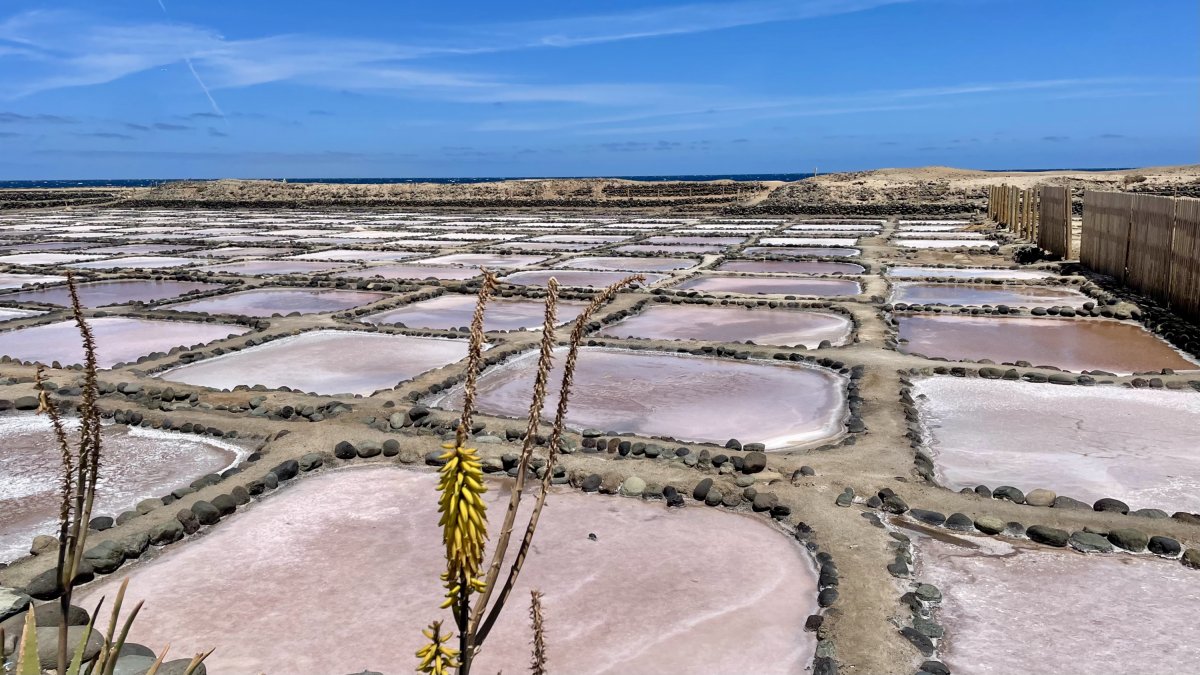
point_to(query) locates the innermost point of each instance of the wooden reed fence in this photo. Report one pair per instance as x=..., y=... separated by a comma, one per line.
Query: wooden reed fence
x=1054, y=221
x=1149, y=243
x=1014, y=208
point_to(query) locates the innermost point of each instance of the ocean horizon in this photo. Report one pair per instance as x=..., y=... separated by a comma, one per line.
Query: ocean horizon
x=741, y=177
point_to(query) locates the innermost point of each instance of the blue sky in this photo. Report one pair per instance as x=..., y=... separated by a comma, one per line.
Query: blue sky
x=214, y=88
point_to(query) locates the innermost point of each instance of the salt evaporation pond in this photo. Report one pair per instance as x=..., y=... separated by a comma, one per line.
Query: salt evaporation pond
x=631, y=263
x=43, y=258
x=771, y=286
x=690, y=398
x=544, y=246
x=675, y=240
x=1012, y=607
x=633, y=600
x=803, y=252
x=267, y=267
x=944, y=243
x=455, y=311
x=804, y=267
x=118, y=339
x=782, y=327
x=268, y=301
x=967, y=273
x=137, y=464
x=355, y=255
x=937, y=235
x=808, y=241
x=497, y=260
x=671, y=248
x=325, y=362
x=1136, y=445
x=118, y=292
x=12, y=280
x=1070, y=344
x=575, y=278
x=917, y=293
x=146, y=262
x=10, y=313
x=442, y=272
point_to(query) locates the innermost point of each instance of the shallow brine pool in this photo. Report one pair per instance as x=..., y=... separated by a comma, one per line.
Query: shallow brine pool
x=917, y=293
x=966, y=273
x=576, y=278
x=624, y=593
x=118, y=339
x=783, y=327
x=1071, y=344
x=117, y=292
x=771, y=286
x=456, y=311
x=268, y=301
x=689, y=398
x=1136, y=445
x=801, y=267
x=1012, y=607
x=325, y=362
x=136, y=464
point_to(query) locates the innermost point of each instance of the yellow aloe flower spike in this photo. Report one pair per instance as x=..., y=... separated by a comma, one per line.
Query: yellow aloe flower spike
x=464, y=515
x=436, y=657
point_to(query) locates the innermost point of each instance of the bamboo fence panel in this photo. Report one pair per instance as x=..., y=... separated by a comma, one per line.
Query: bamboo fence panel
x=1054, y=228
x=1148, y=266
x=1106, y=224
x=1185, y=259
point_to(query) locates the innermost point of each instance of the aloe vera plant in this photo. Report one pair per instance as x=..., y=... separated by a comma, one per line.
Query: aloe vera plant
x=470, y=591
x=77, y=491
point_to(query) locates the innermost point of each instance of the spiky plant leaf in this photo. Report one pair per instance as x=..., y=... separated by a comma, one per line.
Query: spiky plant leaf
x=27, y=655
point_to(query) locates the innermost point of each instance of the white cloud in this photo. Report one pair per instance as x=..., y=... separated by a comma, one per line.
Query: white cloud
x=65, y=49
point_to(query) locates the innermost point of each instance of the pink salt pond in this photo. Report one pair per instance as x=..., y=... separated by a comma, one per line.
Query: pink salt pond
x=1136, y=445
x=711, y=241
x=771, y=286
x=494, y=260
x=455, y=311
x=804, y=267
x=9, y=313
x=269, y=301
x=118, y=339
x=689, y=398
x=917, y=293
x=580, y=238
x=671, y=248
x=803, y=251
x=783, y=327
x=630, y=263
x=544, y=246
x=119, y=292
x=443, y=272
x=325, y=362
x=355, y=255
x=137, y=464
x=808, y=241
x=632, y=600
x=268, y=267
x=12, y=280
x=945, y=243
x=901, y=272
x=1012, y=607
x=576, y=278
x=1071, y=344
x=43, y=258
x=146, y=262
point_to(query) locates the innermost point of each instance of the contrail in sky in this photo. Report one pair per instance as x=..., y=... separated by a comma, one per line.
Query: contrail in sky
x=203, y=87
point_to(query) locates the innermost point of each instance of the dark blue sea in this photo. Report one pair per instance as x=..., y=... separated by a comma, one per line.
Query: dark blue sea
x=151, y=182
